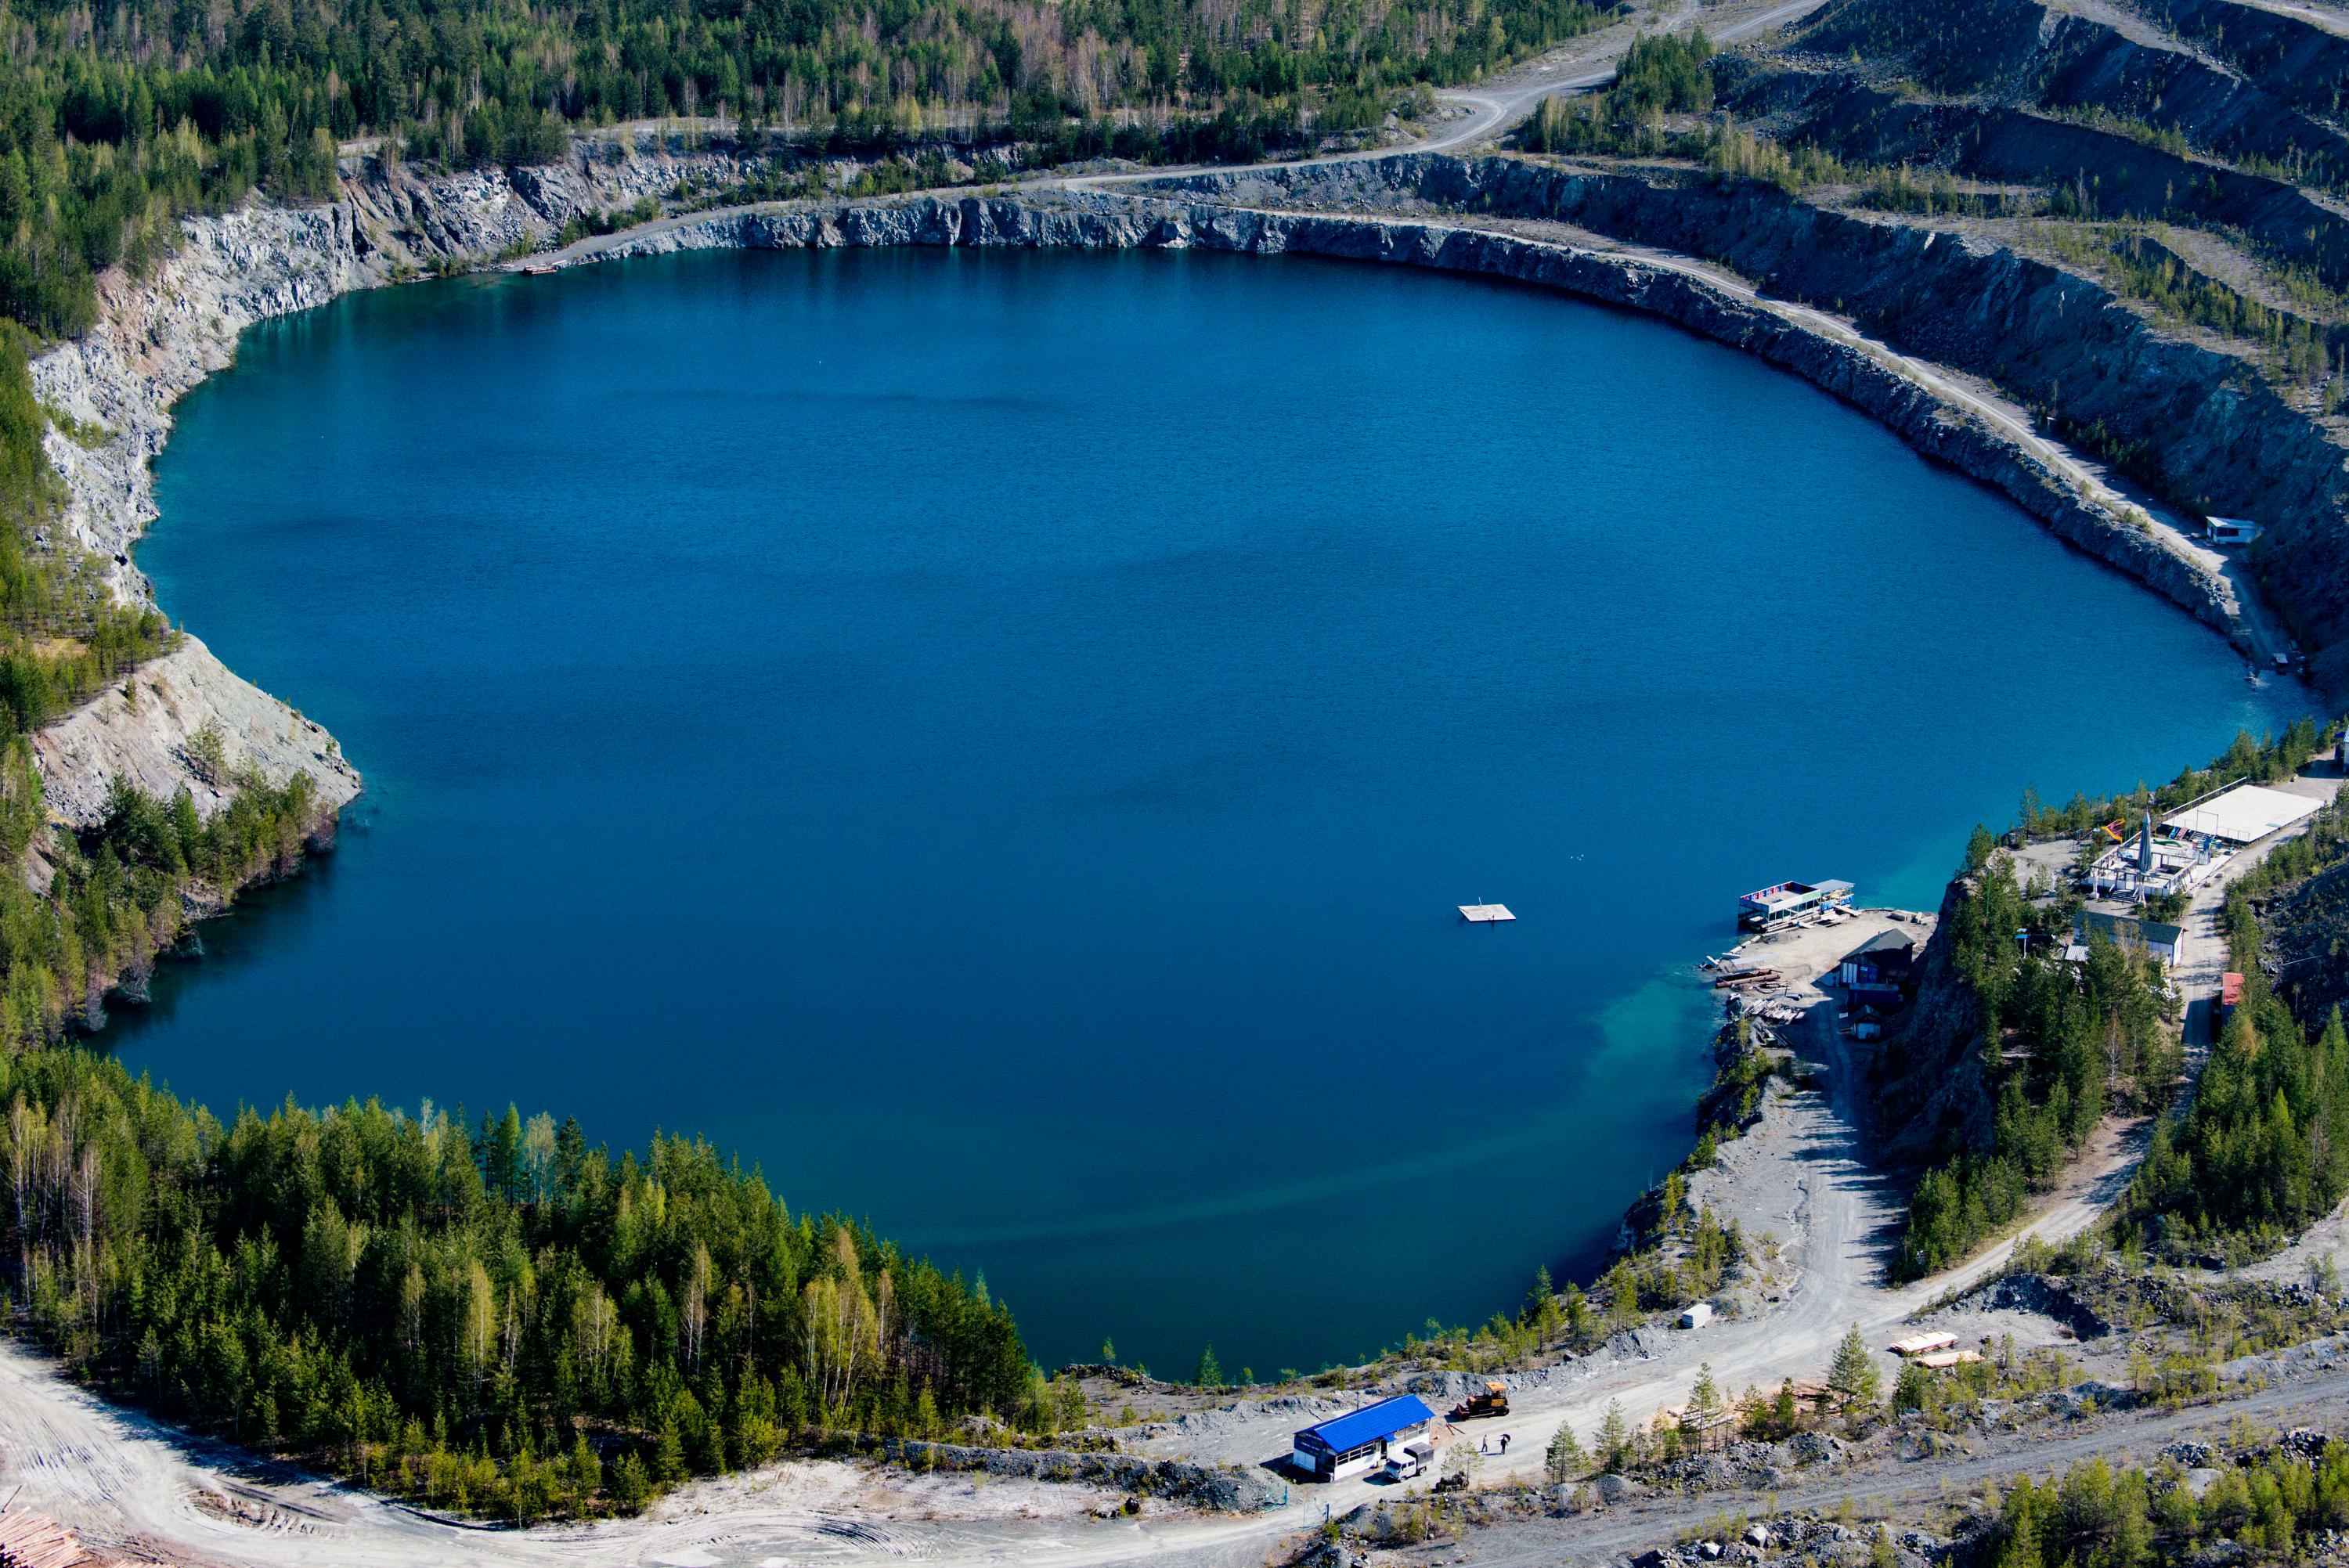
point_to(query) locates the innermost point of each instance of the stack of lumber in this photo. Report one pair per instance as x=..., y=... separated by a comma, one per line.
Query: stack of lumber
x=29, y=1540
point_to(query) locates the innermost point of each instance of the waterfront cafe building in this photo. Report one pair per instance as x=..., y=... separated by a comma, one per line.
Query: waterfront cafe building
x=1358, y=1442
x=1781, y=904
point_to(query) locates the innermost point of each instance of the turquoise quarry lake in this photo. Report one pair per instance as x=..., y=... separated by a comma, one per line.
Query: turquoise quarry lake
x=998, y=739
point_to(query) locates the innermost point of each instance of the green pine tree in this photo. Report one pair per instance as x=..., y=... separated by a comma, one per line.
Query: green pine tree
x=1614, y=1436
x=668, y=1454
x=1854, y=1375
x=630, y=1483
x=1565, y=1459
x=1784, y=1416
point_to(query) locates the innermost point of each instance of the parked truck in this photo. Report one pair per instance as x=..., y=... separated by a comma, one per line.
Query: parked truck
x=1492, y=1399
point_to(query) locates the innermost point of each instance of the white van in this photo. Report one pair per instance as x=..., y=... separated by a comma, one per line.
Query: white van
x=1413, y=1460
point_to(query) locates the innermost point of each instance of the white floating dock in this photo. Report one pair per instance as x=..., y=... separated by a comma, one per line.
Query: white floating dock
x=1486, y=914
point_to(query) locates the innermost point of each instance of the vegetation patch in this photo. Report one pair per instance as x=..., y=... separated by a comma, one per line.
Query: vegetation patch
x=2049, y=1047
x=493, y=1318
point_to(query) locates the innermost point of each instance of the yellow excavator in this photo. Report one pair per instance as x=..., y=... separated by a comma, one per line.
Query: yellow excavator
x=1491, y=1400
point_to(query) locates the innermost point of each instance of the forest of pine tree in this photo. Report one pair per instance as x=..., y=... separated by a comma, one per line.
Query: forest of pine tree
x=495, y=1318
x=114, y=123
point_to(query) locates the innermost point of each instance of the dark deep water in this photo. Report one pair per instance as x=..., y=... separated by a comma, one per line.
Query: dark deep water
x=998, y=738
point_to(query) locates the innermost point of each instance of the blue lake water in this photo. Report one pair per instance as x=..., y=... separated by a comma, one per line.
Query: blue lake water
x=999, y=738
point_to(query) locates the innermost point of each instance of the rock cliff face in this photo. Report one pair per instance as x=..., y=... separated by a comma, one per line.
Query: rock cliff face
x=1927, y=1080
x=1935, y=426
x=154, y=340
x=152, y=730
x=157, y=337
x=2030, y=52
x=2221, y=437
x=2204, y=428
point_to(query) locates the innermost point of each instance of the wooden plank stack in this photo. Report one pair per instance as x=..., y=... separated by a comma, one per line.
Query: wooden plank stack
x=29, y=1540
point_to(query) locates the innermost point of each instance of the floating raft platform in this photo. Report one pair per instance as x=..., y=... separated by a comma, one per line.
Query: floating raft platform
x=1486, y=914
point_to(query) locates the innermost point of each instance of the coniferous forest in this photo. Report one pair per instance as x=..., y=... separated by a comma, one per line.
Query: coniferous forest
x=114, y=123
x=2262, y=1146
x=492, y=1317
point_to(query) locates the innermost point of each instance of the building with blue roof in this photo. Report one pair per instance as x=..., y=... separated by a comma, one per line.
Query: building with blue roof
x=1358, y=1439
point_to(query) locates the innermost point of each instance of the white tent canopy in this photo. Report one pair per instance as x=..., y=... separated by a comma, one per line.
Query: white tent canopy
x=2246, y=812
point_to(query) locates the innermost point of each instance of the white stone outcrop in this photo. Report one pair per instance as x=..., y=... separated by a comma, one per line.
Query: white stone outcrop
x=184, y=721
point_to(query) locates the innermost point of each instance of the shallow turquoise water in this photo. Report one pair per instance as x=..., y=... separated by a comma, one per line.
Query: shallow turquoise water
x=998, y=739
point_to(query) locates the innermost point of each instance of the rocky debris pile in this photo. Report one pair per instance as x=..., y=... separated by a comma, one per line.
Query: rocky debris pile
x=2080, y=1400
x=1814, y=1537
x=2304, y=1443
x=1747, y=1465
x=1222, y=1489
x=1739, y=1464
x=2284, y=1366
x=2045, y=1296
x=1451, y=1387
x=1817, y=1448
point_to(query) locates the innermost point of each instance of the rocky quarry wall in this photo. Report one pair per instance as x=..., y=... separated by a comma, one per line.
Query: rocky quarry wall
x=2224, y=438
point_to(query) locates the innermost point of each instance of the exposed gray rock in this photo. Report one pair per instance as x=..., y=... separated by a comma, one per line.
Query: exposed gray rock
x=2048, y=1297
x=155, y=742
x=158, y=338
x=1223, y=1489
x=1815, y=1448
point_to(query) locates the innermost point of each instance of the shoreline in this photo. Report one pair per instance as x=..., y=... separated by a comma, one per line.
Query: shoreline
x=159, y=337
x=264, y=262
x=1970, y=431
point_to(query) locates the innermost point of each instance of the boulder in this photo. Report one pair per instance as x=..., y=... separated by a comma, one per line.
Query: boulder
x=2304, y=1441
x=1814, y=1449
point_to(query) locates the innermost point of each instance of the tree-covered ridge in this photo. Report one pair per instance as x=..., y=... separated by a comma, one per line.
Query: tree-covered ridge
x=113, y=123
x=2055, y=1046
x=498, y=1318
x=2268, y=1506
x=62, y=633
x=79, y=911
x=2263, y=1151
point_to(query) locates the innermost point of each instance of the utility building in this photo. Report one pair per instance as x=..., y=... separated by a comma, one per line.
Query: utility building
x=1358, y=1440
x=2242, y=815
x=2164, y=941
